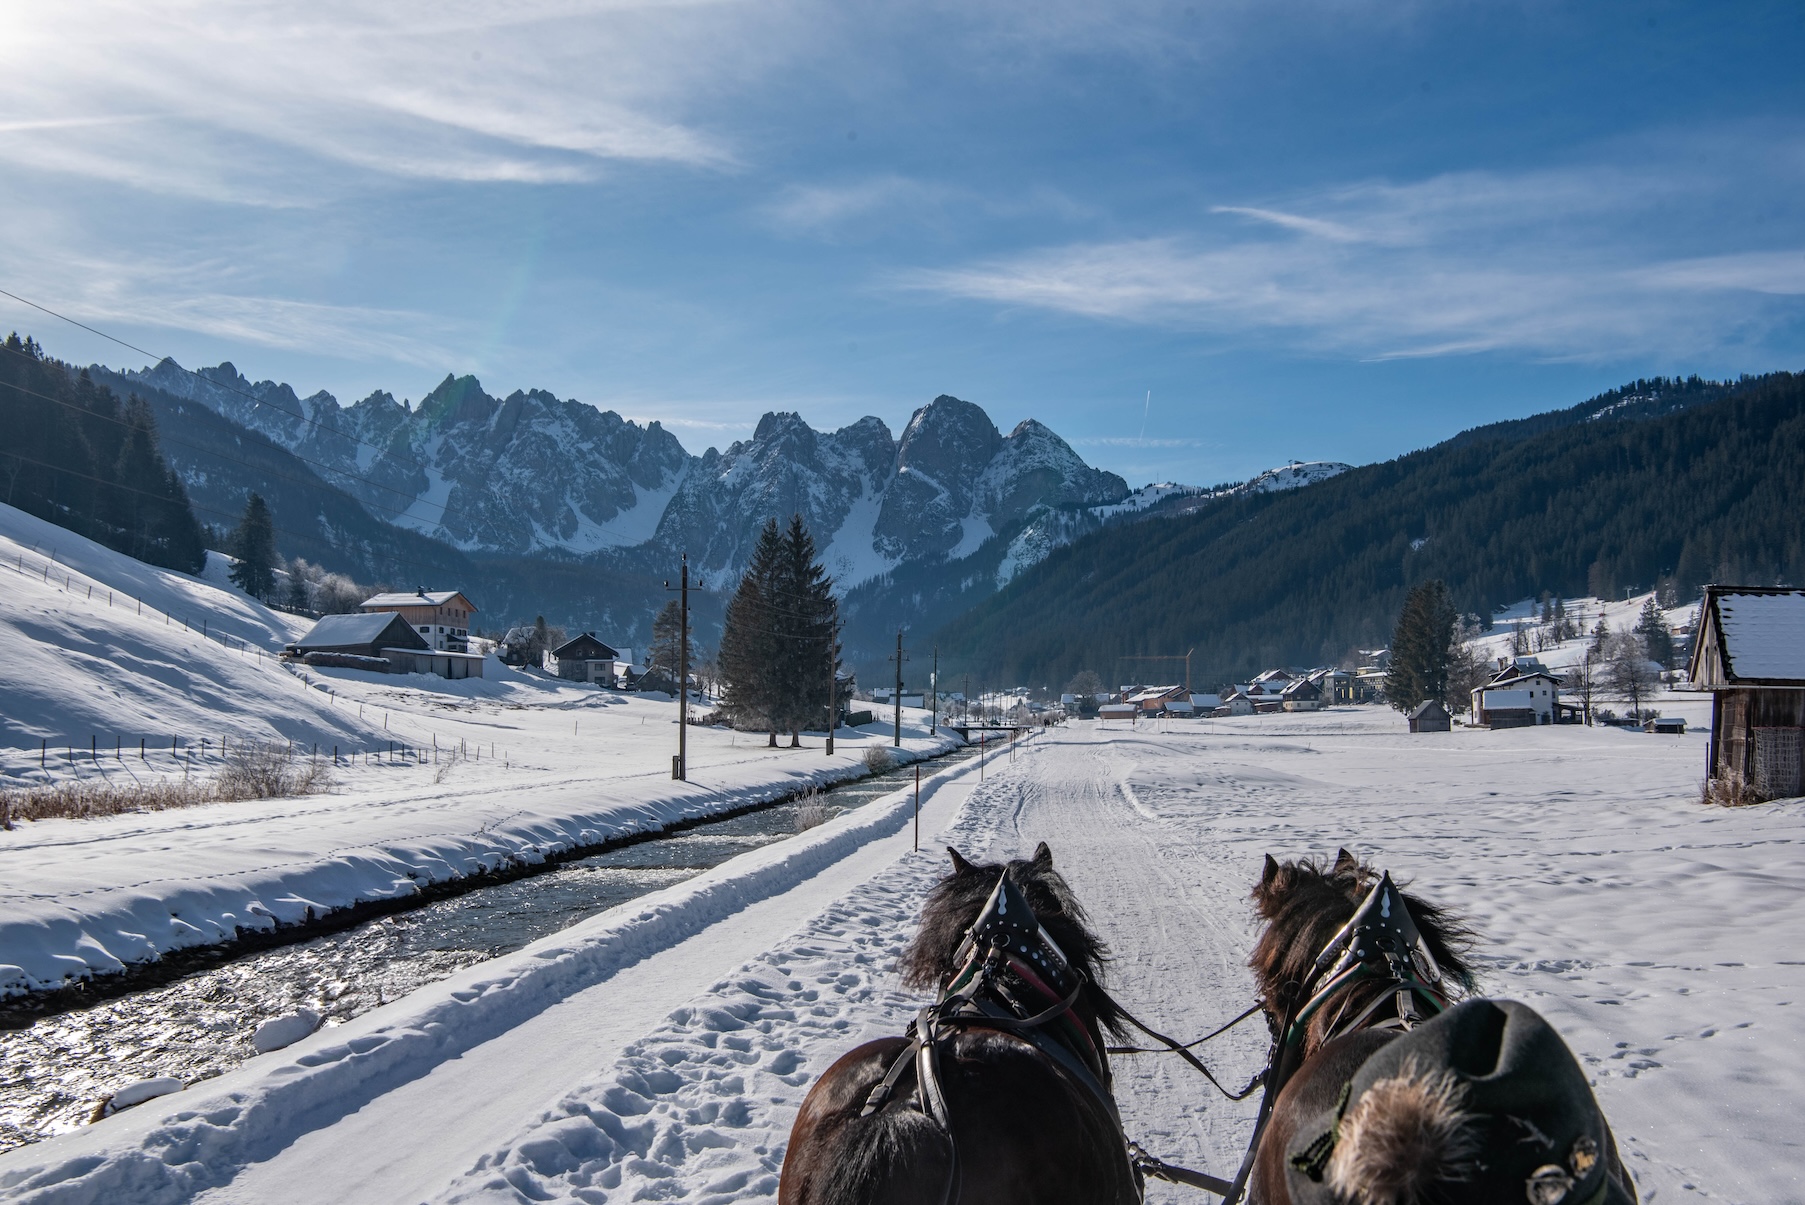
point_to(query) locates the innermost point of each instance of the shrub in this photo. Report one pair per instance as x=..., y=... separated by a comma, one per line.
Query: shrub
x=878, y=759
x=812, y=810
x=255, y=772
x=1729, y=793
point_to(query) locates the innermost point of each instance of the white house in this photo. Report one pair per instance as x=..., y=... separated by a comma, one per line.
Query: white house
x=1517, y=700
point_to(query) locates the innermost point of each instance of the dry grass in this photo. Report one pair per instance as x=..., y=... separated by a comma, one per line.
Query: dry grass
x=254, y=772
x=1729, y=793
x=812, y=810
x=878, y=759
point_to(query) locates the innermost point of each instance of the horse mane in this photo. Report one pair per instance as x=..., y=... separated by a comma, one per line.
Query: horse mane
x=1304, y=903
x=953, y=905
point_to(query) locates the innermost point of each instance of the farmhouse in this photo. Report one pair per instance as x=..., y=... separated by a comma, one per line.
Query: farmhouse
x=1749, y=652
x=441, y=616
x=586, y=659
x=1520, y=695
x=381, y=641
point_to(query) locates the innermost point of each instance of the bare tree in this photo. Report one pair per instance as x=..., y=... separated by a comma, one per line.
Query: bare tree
x=1632, y=676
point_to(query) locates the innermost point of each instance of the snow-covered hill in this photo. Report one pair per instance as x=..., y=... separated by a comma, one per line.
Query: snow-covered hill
x=99, y=651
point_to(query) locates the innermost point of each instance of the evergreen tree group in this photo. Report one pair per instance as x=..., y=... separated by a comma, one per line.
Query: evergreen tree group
x=780, y=640
x=76, y=456
x=1421, y=647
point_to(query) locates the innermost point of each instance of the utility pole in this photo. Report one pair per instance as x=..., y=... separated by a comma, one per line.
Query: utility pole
x=934, y=693
x=680, y=763
x=897, y=697
x=833, y=714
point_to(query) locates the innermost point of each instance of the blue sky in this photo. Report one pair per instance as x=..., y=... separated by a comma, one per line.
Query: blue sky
x=1314, y=230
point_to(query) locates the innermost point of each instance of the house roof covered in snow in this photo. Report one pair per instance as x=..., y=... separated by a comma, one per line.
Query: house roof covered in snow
x=373, y=630
x=586, y=647
x=1750, y=636
x=416, y=598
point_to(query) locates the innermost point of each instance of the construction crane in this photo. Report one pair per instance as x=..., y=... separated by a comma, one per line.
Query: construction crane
x=1184, y=657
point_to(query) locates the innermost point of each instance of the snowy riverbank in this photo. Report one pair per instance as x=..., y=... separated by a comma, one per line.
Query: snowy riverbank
x=99, y=652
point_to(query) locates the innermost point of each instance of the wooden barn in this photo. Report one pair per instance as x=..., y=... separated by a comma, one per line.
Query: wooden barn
x=1749, y=652
x=1431, y=715
x=381, y=641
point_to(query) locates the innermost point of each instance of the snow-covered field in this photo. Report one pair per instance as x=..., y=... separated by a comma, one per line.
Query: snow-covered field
x=659, y=1051
x=99, y=651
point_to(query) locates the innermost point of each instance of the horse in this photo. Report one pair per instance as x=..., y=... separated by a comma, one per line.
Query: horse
x=1390, y=1088
x=981, y=1103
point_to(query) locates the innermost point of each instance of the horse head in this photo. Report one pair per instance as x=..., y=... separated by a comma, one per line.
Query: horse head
x=956, y=902
x=1306, y=906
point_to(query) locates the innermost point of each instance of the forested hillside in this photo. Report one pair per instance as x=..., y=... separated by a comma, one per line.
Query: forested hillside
x=75, y=455
x=1709, y=492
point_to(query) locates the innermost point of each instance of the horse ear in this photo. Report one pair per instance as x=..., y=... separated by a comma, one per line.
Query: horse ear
x=1346, y=863
x=960, y=865
x=1043, y=856
x=1270, y=872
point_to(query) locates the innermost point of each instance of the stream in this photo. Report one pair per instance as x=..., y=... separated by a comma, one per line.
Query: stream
x=53, y=1073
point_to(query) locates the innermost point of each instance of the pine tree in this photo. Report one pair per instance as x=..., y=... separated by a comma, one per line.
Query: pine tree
x=808, y=615
x=253, y=542
x=750, y=640
x=1420, y=647
x=1657, y=640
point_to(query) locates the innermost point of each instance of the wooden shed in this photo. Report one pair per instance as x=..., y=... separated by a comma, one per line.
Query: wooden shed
x=1749, y=652
x=1431, y=715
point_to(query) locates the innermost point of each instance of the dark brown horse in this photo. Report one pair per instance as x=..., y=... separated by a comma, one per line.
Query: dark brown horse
x=1019, y=1125
x=1393, y=1093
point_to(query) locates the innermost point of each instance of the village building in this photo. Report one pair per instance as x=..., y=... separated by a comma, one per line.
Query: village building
x=1301, y=694
x=1234, y=703
x=1749, y=652
x=441, y=617
x=383, y=642
x=1431, y=715
x=1118, y=711
x=1152, y=700
x=586, y=658
x=1521, y=694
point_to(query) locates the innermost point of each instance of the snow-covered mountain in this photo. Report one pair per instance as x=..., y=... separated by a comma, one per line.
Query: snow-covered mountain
x=533, y=473
x=524, y=473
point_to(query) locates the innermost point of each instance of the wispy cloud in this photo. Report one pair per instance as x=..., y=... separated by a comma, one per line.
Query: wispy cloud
x=536, y=92
x=1555, y=264
x=826, y=208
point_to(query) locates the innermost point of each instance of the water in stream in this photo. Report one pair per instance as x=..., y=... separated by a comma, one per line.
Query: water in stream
x=53, y=1073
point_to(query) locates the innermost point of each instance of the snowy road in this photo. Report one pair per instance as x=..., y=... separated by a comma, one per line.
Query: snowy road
x=1663, y=940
